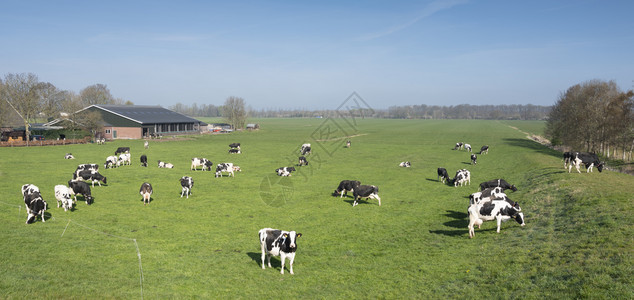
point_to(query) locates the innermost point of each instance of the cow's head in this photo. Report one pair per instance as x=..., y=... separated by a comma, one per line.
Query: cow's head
x=600, y=167
x=513, y=188
x=517, y=214
x=105, y=180
x=291, y=237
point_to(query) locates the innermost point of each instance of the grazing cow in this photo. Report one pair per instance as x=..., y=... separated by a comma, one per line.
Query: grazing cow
x=124, y=159
x=146, y=145
x=35, y=206
x=474, y=159
x=305, y=149
x=487, y=210
x=237, y=169
x=463, y=177
x=187, y=183
x=497, y=182
x=111, y=162
x=202, y=162
x=92, y=176
x=93, y=167
x=442, y=175
x=144, y=160
x=285, y=171
x=484, y=149
x=69, y=156
x=495, y=193
x=467, y=147
x=405, y=164
x=29, y=189
x=225, y=167
x=458, y=146
x=63, y=196
x=146, y=192
x=81, y=188
x=302, y=161
x=590, y=160
x=235, y=145
x=346, y=186
x=568, y=156
x=100, y=141
x=278, y=243
x=234, y=151
x=365, y=191
x=348, y=144
x=122, y=150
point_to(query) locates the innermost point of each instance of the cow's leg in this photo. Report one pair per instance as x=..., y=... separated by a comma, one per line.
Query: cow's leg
x=291, y=258
x=378, y=198
x=341, y=194
x=499, y=219
x=283, y=259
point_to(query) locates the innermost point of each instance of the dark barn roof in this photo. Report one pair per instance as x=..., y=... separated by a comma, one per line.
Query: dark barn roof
x=146, y=114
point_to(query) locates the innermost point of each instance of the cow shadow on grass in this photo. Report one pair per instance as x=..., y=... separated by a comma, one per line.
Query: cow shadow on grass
x=460, y=222
x=532, y=145
x=257, y=258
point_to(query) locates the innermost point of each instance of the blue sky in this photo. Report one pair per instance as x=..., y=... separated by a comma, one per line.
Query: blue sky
x=314, y=54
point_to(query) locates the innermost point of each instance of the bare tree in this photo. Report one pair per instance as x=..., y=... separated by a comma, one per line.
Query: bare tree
x=20, y=91
x=234, y=112
x=96, y=94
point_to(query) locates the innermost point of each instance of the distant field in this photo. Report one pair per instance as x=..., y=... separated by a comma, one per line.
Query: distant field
x=577, y=242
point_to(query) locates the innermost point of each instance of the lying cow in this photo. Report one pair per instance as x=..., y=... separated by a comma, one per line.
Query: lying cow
x=284, y=171
x=235, y=145
x=92, y=176
x=346, y=186
x=405, y=164
x=500, y=210
x=484, y=149
x=35, y=204
x=187, y=183
x=81, y=188
x=305, y=149
x=63, y=194
x=201, y=162
x=365, y=191
x=590, y=160
x=143, y=160
x=234, y=151
x=497, y=182
x=278, y=243
x=442, y=175
x=165, y=165
x=302, y=161
x=69, y=156
x=225, y=167
x=146, y=191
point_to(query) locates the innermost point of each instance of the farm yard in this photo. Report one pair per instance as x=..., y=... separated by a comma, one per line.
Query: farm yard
x=577, y=242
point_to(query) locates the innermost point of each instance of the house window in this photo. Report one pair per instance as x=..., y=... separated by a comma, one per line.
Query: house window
x=107, y=131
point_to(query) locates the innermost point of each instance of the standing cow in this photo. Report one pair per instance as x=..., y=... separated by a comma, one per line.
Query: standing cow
x=302, y=161
x=346, y=186
x=187, y=183
x=500, y=210
x=35, y=204
x=146, y=191
x=227, y=168
x=278, y=243
x=63, y=196
x=474, y=159
x=365, y=191
x=484, y=149
x=143, y=160
x=590, y=160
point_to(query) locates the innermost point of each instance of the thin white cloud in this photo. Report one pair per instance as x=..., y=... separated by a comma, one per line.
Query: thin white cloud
x=431, y=9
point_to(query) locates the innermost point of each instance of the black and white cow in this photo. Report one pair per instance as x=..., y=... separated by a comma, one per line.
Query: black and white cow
x=365, y=191
x=463, y=177
x=278, y=243
x=458, y=146
x=124, y=159
x=568, y=156
x=69, y=156
x=484, y=149
x=225, y=167
x=442, y=175
x=500, y=210
x=94, y=167
x=146, y=191
x=590, y=160
x=284, y=171
x=234, y=151
x=346, y=186
x=496, y=193
x=187, y=183
x=498, y=182
x=467, y=147
x=81, y=188
x=474, y=159
x=405, y=164
x=111, y=162
x=201, y=162
x=348, y=144
x=143, y=160
x=63, y=196
x=35, y=206
x=235, y=145
x=92, y=176
x=305, y=149
x=122, y=150
x=162, y=164
x=302, y=161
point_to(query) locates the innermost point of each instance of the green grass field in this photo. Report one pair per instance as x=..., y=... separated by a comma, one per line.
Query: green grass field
x=577, y=242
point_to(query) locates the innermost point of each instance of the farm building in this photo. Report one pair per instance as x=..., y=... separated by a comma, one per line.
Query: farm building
x=138, y=121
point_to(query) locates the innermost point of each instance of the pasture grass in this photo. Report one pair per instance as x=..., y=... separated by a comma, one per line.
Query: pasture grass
x=577, y=242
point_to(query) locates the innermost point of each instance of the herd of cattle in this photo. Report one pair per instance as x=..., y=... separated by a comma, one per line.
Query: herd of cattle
x=489, y=203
